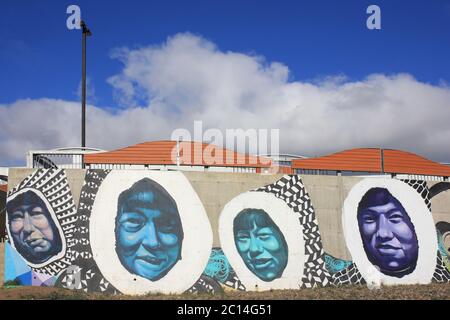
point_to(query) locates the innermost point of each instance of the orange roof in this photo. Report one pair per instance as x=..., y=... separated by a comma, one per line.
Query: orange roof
x=367, y=160
x=371, y=160
x=165, y=153
x=4, y=187
x=396, y=161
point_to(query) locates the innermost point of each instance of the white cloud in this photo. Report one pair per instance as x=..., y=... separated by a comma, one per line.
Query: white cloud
x=188, y=78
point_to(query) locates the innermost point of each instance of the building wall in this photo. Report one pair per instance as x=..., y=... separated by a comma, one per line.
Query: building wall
x=138, y=231
x=186, y=168
x=4, y=171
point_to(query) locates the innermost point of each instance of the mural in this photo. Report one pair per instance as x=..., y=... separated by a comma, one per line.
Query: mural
x=260, y=243
x=398, y=238
x=291, y=190
x=443, y=233
x=217, y=275
x=443, y=229
x=335, y=265
x=144, y=229
x=41, y=223
x=220, y=270
x=140, y=231
x=83, y=273
x=263, y=242
x=149, y=234
x=387, y=233
x=32, y=228
x=272, y=239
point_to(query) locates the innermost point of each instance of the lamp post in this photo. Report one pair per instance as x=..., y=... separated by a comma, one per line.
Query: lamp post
x=86, y=33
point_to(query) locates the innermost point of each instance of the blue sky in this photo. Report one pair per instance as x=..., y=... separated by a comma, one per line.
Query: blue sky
x=40, y=57
x=313, y=40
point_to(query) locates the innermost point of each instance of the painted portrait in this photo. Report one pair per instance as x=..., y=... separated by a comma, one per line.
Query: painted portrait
x=390, y=232
x=260, y=243
x=388, y=235
x=262, y=239
x=443, y=228
x=32, y=227
x=149, y=232
x=41, y=220
x=441, y=190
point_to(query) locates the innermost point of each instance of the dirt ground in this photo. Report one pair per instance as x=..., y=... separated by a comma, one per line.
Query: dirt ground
x=414, y=292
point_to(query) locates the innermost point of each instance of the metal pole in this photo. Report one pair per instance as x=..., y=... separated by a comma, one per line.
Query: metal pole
x=86, y=32
x=83, y=93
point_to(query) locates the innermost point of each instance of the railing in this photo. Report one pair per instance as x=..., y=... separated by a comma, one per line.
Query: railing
x=64, y=158
x=64, y=161
x=370, y=174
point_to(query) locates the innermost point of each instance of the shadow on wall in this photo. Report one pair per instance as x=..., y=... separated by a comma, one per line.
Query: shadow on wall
x=148, y=231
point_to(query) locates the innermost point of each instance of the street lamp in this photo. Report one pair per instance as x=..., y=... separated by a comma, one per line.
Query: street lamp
x=86, y=33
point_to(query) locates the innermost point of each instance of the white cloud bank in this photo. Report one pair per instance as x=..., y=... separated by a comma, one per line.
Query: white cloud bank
x=188, y=78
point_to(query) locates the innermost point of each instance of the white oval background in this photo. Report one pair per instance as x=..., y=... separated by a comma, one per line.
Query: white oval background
x=420, y=216
x=288, y=223
x=197, y=242
x=60, y=254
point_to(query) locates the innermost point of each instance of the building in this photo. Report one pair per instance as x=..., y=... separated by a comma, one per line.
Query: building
x=373, y=161
x=175, y=155
x=65, y=158
x=283, y=159
x=3, y=175
x=203, y=157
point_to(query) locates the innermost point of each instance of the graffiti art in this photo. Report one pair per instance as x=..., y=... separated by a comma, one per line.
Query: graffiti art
x=260, y=243
x=149, y=232
x=389, y=232
x=144, y=231
x=388, y=235
x=443, y=229
x=292, y=191
x=263, y=242
x=41, y=223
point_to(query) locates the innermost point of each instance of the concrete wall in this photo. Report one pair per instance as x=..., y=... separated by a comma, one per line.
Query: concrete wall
x=305, y=216
x=328, y=194
x=217, y=189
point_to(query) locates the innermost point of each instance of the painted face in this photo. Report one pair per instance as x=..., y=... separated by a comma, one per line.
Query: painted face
x=260, y=244
x=148, y=230
x=388, y=236
x=444, y=231
x=32, y=228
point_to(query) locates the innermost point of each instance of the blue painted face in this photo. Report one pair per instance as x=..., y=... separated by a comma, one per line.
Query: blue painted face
x=149, y=234
x=260, y=243
x=32, y=228
x=388, y=235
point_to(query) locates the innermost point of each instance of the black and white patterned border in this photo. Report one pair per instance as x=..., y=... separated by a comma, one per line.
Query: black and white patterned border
x=53, y=184
x=422, y=188
x=84, y=274
x=351, y=274
x=291, y=190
